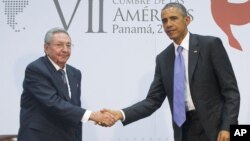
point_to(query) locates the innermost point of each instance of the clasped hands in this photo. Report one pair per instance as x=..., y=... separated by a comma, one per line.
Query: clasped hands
x=106, y=117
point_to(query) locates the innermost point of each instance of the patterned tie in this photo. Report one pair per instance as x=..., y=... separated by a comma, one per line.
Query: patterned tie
x=63, y=75
x=179, y=88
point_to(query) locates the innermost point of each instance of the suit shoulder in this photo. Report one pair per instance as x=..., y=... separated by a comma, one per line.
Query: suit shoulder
x=73, y=69
x=166, y=51
x=205, y=38
x=40, y=66
x=36, y=63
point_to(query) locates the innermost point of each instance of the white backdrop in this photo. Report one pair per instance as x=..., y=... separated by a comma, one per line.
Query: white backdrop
x=117, y=65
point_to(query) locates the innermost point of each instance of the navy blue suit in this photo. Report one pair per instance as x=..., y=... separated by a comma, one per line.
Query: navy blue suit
x=212, y=82
x=47, y=112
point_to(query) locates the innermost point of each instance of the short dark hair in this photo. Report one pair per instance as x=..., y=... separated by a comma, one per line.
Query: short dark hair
x=177, y=5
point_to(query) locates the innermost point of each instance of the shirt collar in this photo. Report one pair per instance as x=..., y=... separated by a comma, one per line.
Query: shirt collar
x=184, y=43
x=55, y=65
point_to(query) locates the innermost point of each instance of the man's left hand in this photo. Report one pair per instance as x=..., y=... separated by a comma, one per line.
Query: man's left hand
x=223, y=136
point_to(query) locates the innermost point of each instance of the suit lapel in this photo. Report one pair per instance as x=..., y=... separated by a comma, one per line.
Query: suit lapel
x=57, y=80
x=193, y=55
x=170, y=58
x=170, y=73
x=73, y=85
x=166, y=62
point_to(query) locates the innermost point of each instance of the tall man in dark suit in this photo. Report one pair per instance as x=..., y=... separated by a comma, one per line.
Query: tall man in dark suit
x=50, y=102
x=212, y=99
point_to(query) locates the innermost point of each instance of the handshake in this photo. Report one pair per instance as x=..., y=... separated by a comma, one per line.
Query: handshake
x=106, y=117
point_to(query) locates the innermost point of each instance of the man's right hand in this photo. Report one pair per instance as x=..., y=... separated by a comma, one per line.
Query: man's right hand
x=103, y=118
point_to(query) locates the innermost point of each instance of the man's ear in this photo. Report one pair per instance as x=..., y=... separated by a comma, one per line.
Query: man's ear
x=188, y=20
x=45, y=47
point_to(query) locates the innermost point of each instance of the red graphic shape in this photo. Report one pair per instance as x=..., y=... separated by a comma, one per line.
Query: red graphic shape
x=226, y=13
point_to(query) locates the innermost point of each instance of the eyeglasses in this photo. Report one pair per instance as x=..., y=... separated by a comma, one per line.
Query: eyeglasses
x=61, y=45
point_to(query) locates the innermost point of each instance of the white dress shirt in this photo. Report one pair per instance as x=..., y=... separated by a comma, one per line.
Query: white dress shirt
x=185, y=44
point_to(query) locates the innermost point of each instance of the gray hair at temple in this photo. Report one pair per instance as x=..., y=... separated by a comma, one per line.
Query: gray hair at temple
x=52, y=31
x=179, y=6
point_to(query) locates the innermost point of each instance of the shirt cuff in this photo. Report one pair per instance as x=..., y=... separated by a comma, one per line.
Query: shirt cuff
x=86, y=116
x=123, y=115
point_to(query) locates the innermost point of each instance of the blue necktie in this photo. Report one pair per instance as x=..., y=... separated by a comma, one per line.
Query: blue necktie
x=179, y=88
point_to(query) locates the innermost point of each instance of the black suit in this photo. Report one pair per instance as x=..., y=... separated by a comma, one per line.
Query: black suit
x=47, y=112
x=212, y=82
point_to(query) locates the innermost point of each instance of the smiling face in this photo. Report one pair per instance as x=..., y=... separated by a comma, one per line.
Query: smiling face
x=59, y=48
x=175, y=23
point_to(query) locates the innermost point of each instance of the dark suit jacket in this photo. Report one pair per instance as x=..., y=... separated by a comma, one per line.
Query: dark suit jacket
x=47, y=112
x=212, y=82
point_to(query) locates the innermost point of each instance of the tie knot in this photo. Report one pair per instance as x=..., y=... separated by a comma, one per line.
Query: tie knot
x=179, y=49
x=62, y=71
